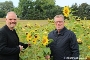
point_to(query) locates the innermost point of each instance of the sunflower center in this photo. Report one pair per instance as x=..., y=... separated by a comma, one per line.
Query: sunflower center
x=44, y=40
x=66, y=11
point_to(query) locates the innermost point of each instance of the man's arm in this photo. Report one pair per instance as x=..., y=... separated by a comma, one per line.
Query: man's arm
x=24, y=45
x=74, y=46
x=4, y=50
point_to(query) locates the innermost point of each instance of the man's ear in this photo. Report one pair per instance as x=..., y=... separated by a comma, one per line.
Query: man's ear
x=6, y=19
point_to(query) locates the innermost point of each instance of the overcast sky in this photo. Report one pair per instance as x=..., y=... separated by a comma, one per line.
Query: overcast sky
x=58, y=2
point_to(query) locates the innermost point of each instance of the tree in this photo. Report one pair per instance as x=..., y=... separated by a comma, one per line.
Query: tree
x=26, y=8
x=87, y=10
x=74, y=9
x=6, y=6
x=2, y=14
x=36, y=9
x=81, y=10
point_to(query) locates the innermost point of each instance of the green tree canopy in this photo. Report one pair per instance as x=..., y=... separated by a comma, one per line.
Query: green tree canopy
x=5, y=7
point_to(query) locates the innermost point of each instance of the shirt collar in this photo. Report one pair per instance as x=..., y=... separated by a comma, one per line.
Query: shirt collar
x=61, y=32
x=8, y=28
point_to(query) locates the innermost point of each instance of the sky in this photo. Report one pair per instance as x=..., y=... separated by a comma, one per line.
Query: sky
x=58, y=2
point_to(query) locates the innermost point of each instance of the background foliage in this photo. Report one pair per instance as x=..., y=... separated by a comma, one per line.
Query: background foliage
x=42, y=9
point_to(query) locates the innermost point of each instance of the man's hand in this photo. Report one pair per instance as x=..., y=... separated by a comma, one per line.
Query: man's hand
x=29, y=45
x=47, y=57
x=21, y=47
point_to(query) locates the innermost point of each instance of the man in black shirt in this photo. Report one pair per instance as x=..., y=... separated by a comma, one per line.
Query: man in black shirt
x=64, y=45
x=10, y=46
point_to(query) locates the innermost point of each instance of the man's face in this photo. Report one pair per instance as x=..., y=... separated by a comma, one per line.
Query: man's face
x=11, y=20
x=59, y=23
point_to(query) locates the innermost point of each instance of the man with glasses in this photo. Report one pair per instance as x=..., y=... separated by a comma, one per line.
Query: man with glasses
x=10, y=46
x=64, y=45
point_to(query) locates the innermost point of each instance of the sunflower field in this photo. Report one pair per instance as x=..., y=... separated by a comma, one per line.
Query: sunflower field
x=37, y=35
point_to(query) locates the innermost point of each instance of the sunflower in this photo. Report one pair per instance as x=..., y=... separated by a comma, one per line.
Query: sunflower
x=45, y=33
x=79, y=41
x=34, y=40
x=23, y=29
x=36, y=36
x=88, y=47
x=45, y=40
x=28, y=37
x=66, y=11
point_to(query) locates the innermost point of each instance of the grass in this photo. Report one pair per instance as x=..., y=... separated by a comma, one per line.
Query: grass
x=24, y=22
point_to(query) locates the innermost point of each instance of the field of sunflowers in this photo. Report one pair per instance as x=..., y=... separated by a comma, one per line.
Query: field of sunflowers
x=36, y=35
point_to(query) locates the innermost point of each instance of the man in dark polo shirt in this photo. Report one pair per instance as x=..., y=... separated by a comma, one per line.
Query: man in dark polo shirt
x=64, y=45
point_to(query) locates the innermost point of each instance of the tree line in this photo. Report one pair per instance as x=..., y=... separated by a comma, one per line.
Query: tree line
x=42, y=9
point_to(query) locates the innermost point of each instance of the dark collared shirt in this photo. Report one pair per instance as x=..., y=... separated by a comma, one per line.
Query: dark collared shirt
x=64, y=45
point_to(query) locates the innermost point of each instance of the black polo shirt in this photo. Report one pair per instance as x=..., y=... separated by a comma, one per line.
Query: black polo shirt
x=64, y=45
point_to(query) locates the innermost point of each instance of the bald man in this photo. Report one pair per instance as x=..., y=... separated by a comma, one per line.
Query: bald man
x=10, y=46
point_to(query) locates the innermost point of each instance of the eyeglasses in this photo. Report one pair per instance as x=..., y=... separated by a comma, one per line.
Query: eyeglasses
x=59, y=21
